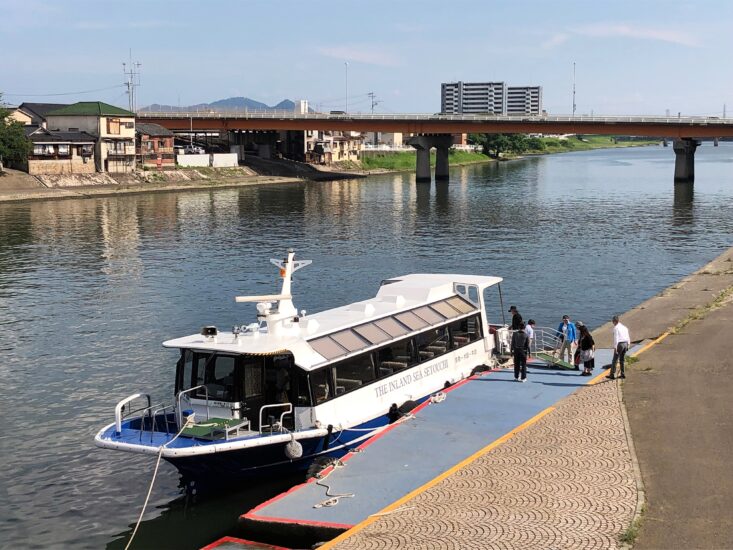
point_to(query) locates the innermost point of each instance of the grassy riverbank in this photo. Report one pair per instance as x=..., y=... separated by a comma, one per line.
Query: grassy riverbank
x=405, y=160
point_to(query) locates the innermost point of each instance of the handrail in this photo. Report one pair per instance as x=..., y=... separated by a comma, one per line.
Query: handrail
x=488, y=117
x=153, y=416
x=272, y=406
x=178, y=402
x=121, y=405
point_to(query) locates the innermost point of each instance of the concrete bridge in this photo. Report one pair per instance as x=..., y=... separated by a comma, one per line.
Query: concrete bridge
x=433, y=130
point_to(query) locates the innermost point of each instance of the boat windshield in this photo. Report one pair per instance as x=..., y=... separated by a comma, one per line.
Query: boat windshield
x=213, y=370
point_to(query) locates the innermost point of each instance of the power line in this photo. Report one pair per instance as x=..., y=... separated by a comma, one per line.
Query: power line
x=68, y=93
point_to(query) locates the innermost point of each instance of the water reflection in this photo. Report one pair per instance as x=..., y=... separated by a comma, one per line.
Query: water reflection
x=89, y=289
x=682, y=211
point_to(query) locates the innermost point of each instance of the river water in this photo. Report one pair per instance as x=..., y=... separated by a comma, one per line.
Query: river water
x=89, y=288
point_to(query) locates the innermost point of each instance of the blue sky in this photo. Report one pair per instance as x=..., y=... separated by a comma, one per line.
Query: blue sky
x=632, y=57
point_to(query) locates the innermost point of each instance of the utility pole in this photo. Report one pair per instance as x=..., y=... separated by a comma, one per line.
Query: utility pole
x=133, y=80
x=573, y=88
x=375, y=102
x=723, y=110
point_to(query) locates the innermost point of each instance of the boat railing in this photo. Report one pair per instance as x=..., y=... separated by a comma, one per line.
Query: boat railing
x=120, y=408
x=179, y=411
x=152, y=414
x=272, y=426
x=544, y=340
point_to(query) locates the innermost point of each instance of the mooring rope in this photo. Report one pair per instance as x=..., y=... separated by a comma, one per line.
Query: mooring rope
x=186, y=424
x=334, y=499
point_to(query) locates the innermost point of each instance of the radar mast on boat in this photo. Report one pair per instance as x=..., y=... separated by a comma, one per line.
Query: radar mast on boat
x=285, y=310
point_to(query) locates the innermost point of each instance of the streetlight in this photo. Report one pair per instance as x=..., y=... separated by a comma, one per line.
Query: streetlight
x=346, y=65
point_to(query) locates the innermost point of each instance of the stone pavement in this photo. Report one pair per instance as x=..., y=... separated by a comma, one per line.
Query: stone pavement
x=566, y=481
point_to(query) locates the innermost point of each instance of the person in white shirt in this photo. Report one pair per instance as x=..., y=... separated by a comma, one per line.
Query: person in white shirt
x=621, y=342
x=529, y=330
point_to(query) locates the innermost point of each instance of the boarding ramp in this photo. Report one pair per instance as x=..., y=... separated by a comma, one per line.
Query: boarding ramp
x=543, y=348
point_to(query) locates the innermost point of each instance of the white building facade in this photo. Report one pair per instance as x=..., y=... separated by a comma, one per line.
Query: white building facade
x=489, y=97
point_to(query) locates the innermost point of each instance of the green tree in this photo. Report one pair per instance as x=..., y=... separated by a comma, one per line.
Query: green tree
x=14, y=146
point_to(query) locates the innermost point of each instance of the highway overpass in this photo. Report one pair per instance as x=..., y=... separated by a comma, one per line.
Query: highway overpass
x=431, y=129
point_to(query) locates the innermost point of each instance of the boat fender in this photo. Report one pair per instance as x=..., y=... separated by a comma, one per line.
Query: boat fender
x=327, y=437
x=293, y=449
x=407, y=407
x=394, y=413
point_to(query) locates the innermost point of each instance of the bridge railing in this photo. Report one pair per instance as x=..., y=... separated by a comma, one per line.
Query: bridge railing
x=435, y=117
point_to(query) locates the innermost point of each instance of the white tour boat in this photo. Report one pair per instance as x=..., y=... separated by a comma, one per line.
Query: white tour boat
x=281, y=392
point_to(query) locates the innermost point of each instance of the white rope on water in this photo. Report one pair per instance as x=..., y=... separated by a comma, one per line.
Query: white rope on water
x=189, y=422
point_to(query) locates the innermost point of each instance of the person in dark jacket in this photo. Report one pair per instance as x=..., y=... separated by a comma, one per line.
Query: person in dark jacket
x=587, y=347
x=516, y=318
x=520, y=350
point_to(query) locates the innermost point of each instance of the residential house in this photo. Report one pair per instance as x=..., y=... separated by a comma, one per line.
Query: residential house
x=60, y=153
x=154, y=146
x=34, y=113
x=114, y=129
x=328, y=147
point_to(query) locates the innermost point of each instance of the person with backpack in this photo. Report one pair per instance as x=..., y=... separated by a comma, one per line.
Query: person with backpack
x=520, y=350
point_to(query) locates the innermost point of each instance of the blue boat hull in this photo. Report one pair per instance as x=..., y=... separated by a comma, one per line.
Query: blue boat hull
x=270, y=460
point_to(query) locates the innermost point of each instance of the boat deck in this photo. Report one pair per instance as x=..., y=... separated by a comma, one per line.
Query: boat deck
x=476, y=412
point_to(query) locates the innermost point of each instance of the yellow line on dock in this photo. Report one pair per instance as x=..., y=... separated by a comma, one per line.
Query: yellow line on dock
x=396, y=504
x=635, y=354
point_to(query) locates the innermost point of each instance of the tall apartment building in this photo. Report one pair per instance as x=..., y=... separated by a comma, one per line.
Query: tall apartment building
x=524, y=100
x=489, y=97
x=473, y=97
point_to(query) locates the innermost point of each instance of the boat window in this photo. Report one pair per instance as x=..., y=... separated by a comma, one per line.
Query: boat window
x=445, y=310
x=349, y=340
x=469, y=292
x=277, y=379
x=372, y=333
x=392, y=327
x=461, y=305
x=185, y=370
x=465, y=331
x=396, y=357
x=353, y=373
x=473, y=294
x=430, y=315
x=300, y=388
x=411, y=320
x=253, y=386
x=327, y=347
x=217, y=374
x=321, y=385
x=199, y=362
x=432, y=343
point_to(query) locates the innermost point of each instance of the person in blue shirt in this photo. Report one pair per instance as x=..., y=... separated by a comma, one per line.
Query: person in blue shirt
x=567, y=338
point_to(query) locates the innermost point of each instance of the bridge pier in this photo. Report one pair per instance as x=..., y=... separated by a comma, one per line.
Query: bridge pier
x=422, y=145
x=684, y=165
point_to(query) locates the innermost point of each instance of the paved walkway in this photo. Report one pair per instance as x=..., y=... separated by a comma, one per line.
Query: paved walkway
x=565, y=482
x=568, y=481
x=679, y=406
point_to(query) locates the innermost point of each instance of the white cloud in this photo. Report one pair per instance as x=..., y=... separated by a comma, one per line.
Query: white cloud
x=606, y=30
x=362, y=54
x=555, y=40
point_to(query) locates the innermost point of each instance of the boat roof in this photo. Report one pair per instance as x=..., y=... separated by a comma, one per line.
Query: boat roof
x=310, y=342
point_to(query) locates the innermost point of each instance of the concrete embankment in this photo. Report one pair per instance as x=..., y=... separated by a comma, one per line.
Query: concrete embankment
x=572, y=479
x=141, y=183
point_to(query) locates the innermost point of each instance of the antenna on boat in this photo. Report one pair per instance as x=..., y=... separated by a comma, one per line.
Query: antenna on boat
x=285, y=306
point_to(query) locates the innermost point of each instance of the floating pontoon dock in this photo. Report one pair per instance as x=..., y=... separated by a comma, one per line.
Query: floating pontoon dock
x=472, y=417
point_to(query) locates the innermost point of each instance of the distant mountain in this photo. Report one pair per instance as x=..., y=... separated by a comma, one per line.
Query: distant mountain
x=230, y=104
